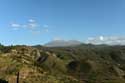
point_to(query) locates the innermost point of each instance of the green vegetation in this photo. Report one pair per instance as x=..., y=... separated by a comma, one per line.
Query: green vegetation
x=76, y=64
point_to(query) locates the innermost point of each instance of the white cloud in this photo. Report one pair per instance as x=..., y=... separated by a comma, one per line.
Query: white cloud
x=90, y=38
x=32, y=25
x=31, y=20
x=101, y=38
x=111, y=40
x=15, y=25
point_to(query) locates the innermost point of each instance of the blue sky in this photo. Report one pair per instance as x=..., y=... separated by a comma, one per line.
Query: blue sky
x=39, y=21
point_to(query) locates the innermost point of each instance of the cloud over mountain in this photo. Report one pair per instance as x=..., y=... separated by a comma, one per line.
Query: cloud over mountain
x=111, y=40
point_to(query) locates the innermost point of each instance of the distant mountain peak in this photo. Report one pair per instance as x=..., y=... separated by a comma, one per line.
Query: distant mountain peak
x=62, y=43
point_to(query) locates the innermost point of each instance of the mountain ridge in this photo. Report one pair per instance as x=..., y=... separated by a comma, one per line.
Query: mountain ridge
x=62, y=43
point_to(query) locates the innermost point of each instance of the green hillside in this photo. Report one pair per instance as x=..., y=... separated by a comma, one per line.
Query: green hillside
x=75, y=64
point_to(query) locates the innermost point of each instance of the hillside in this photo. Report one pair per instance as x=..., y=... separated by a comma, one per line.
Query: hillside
x=74, y=64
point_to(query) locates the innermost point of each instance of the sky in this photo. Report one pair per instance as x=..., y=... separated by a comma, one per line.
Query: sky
x=33, y=22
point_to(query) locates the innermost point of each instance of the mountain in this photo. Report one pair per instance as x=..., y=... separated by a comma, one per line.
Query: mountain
x=62, y=43
x=85, y=63
x=107, y=40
